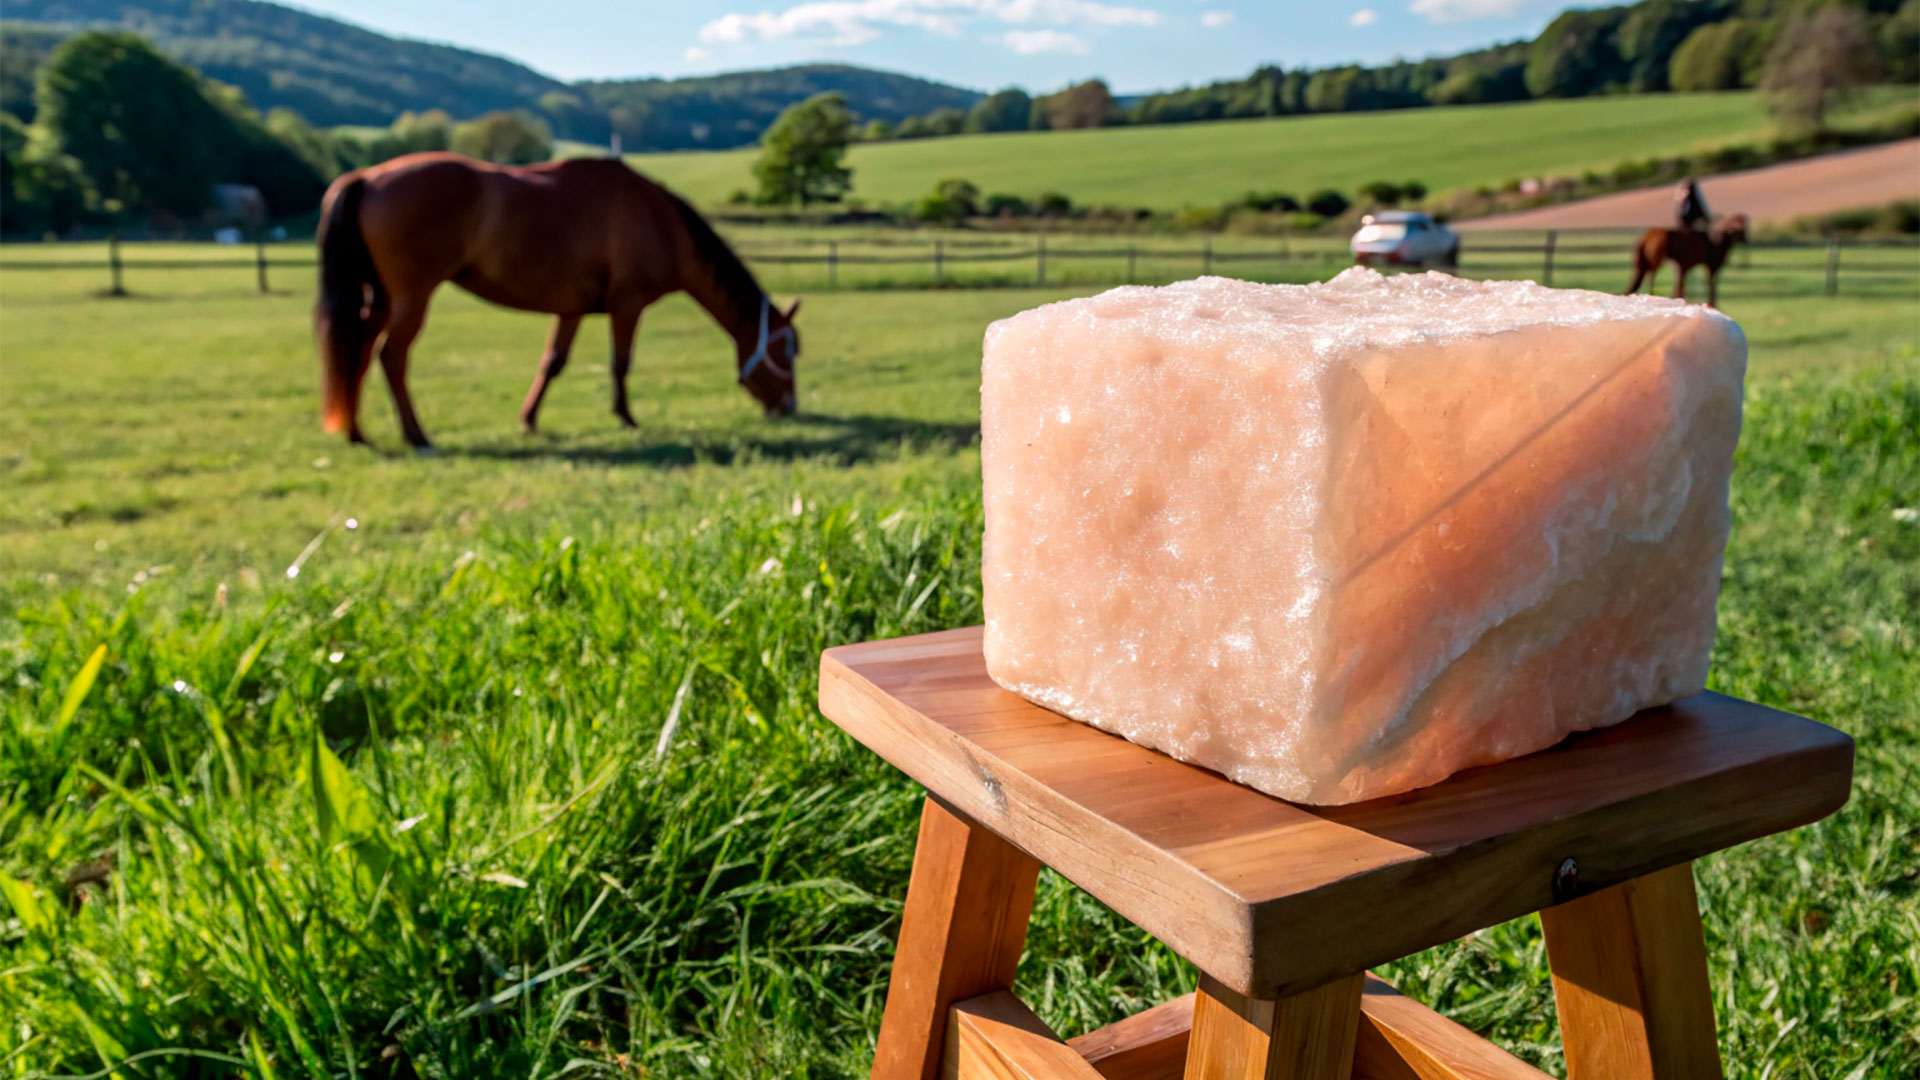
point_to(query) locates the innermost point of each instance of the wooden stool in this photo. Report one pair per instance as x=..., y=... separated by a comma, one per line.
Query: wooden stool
x=1285, y=907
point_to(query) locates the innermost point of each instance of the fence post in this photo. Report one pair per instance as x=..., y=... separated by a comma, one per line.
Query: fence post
x=833, y=264
x=1553, y=238
x=1130, y=256
x=260, y=262
x=1833, y=266
x=1206, y=254
x=939, y=258
x=113, y=263
x=1040, y=260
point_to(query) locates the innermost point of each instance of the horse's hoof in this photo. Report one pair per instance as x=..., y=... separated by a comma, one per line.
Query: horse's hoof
x=626, y=421
x=425, y=450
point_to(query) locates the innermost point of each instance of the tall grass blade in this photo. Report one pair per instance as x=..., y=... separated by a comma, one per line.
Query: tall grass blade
x=78, y=689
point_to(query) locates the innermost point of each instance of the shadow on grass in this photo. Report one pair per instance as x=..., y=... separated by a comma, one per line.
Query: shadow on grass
x=843, y=440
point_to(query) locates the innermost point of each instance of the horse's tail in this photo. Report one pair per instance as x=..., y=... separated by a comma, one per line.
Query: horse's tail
x=341, y=315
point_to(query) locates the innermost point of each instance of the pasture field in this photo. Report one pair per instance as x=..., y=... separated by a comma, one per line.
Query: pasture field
x=521, y=774
x=1171, y=166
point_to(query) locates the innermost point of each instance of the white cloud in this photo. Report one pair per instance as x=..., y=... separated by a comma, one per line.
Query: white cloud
x=1214, y=20
x=852, y=22
x=1364, y=17
x=1028, y=42
x=1446, y=11
x=696, y=53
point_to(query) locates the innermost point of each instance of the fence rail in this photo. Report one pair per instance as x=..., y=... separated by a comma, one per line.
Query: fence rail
x=1501, y=255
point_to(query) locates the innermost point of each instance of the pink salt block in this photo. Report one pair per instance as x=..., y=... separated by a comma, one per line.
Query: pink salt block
x=1339, y=541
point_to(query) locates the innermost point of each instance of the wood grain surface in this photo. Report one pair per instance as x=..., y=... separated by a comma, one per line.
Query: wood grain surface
x=961, y=935
x=996, y=1037
x=1273, y=898
x=1305, y=1036
x=1630, y=981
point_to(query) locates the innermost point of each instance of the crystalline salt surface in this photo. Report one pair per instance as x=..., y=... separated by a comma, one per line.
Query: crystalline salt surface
x=1338, y=541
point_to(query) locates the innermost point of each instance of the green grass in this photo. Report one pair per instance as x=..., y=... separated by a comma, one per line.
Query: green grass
x=580, y=670
x=1178, y=165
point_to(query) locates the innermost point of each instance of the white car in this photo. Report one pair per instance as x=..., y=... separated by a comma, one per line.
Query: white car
x=1404, y=238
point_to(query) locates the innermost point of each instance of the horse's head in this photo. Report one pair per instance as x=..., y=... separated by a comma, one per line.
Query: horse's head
x=767, y=367
x=1732, y=230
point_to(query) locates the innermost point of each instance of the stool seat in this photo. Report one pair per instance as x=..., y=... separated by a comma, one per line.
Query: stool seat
x=1271, y=898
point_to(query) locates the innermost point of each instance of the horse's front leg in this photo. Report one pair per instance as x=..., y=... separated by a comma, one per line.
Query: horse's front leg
x=626, y=323
x=1680, y=281
x=409, y=314
x=1713, y=286
x=552, y=361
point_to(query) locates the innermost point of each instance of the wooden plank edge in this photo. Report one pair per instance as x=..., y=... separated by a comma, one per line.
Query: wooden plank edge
x=1318, y=913
x=996, y=1037
x=1399, y=1039
x=1149, y=1045
x=1169, y=908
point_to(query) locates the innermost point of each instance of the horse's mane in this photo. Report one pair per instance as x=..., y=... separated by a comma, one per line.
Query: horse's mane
x=730, y=276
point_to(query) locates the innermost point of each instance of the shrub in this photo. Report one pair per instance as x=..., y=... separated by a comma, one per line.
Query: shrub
x=505, y=138
x=1052, y=204
x=1003, y=205
x=1381, y=193
x=1203, y=218
x=1328, y=203
x=950, y=202
x=1270, y=201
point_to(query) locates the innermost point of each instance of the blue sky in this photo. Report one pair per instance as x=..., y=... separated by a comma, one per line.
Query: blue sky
x=1135, y=45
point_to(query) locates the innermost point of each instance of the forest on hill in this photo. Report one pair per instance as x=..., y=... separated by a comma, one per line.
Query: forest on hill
x=334, y=73
x=1653, y=46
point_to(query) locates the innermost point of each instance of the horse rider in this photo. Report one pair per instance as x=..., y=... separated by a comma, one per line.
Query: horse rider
x=1689, y=206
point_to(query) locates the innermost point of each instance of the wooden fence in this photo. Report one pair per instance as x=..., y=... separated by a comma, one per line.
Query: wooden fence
x=1076, y=259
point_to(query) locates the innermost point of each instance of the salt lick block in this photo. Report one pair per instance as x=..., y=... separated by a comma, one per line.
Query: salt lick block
x=1338, y=541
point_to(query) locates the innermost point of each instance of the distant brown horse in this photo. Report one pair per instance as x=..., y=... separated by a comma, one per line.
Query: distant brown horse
x=570, y=238
x=1687, y=248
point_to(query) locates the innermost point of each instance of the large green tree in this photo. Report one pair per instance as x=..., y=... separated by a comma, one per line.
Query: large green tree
x=802, y=155
x=1899, y=41
x=138, y=123
x=506, y=138
x=41, y=189
x=1008, y=110
x=1649, y=34
x=1815, y=62
x=152, y=136
x=1576, y=55
x=1718, y=56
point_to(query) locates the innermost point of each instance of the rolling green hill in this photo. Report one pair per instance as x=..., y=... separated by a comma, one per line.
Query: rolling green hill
x=733, y=109
x=334, y=73
x=1167, y=167
x=329, y=71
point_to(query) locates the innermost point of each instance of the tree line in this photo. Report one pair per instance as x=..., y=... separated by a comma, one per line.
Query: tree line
x=1649, y=47
x=115, y=131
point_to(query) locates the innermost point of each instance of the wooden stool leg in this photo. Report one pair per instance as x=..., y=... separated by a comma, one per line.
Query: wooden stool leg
x=961, y=934
x=1630, y=980
x=1309, y=1036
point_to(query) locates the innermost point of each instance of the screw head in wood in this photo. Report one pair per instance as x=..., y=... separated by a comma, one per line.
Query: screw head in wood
x=1566, y=879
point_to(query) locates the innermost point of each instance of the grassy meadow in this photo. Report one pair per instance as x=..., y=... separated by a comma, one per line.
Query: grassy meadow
x=518, y=773
x=1172, y=166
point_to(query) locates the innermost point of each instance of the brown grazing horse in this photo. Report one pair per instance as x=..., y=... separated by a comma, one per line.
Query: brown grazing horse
x=570, y=238
x=1687, y=248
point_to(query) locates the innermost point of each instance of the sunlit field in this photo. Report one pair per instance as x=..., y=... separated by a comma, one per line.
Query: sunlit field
x=1177, y=165
x=504, y=762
